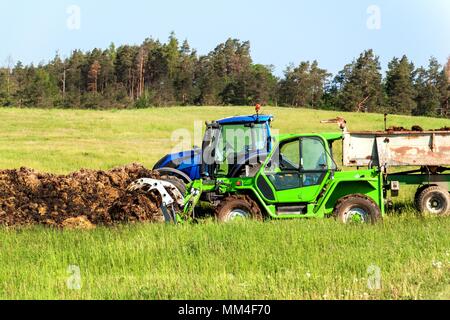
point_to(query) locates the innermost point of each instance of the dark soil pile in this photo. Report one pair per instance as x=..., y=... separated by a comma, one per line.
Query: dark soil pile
x=82, y=199
x=415, y=128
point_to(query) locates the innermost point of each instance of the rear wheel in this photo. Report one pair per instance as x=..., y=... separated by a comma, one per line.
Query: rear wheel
x=237, y=207
x=357, y=208
x=434, y=200
x=417, y=195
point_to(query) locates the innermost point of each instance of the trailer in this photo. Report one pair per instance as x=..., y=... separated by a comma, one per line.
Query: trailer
x=418, y=158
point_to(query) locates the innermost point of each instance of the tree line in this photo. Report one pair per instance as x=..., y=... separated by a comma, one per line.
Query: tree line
x=157, y=74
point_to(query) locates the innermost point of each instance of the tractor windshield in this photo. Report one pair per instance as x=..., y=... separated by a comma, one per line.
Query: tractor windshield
x=233, y=144
x=237, y=143
x=238, y=139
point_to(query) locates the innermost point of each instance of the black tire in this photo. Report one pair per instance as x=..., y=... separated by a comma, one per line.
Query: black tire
x=357, y=208
x=434, y=200
x=177, y=182
x=417, y=195
x=174, y=173
x=235, y=207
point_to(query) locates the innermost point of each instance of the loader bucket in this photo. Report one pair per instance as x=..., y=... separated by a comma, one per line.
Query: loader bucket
x=172, y=201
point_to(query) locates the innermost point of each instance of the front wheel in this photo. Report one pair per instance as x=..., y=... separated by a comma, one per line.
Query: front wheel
x=357, y=208
x=236, y=208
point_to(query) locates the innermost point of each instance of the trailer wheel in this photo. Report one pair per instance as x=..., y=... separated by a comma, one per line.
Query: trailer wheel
x=237, y=207
x=357, y=208
x=417, y=195
x=434, y=200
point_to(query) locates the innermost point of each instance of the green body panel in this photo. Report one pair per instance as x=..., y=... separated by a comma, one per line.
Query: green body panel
x=442, y=180
x=318, y=200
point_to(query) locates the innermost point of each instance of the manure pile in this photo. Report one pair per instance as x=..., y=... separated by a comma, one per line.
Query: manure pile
x=82, y=199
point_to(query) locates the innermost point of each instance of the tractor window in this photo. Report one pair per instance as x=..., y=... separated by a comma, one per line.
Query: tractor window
x=314, y=155
x=290, y=156
x=283, y=169
x=237, y=142
x=209, y=143
x=298, y=163
x=241, y=138
x=314, y=161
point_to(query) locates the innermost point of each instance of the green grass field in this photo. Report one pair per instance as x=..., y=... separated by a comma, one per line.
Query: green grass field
x=61, y=141
x=271, y=260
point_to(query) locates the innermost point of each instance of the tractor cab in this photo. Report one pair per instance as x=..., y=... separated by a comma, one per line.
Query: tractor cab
x=236, y=146
x=228, y=145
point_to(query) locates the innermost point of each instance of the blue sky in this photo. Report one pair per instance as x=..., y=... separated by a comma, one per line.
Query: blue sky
x=280, y=31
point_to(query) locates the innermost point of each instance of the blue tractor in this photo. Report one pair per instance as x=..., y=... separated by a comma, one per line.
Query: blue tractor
x=243, y=144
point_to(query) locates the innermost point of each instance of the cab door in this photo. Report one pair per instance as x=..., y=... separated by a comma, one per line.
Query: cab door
x=298, y=170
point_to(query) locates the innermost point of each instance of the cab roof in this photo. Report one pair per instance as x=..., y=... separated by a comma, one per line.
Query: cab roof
x=329, y=136
x=262, y=118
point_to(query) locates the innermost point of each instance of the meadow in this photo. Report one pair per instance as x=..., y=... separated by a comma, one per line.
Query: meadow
x=61, y=141
x=406, y=257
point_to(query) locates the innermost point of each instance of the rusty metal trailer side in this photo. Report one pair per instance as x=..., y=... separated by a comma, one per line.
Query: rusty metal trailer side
x=394, y=149
x=424, y=157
